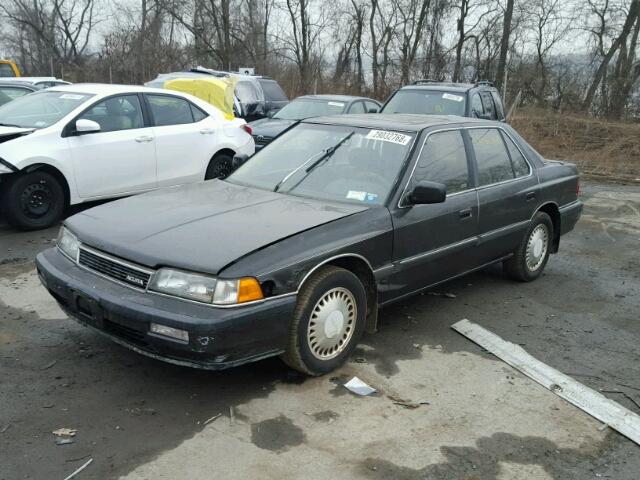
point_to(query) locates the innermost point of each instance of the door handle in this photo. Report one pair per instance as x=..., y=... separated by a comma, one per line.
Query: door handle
x=207, y=131
x=464, y=214
x=144, y=139
x=530, y=196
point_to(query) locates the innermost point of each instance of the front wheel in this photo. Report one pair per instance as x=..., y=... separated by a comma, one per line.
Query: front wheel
x=328, y=321
x=531, y=256
x=33, y=201
x=220, y=166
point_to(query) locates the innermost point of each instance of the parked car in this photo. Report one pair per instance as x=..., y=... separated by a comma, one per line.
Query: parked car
x=428, y=97
x=39, y=82
x=255, y=96
x=79, y=143
x=11, y=90
x=294, y=253
x=307, y=106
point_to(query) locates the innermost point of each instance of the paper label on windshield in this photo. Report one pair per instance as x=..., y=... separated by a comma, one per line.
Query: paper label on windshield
x=336, y=104
x=355, y=195
x=71, y=96
x=451, y=96
x=385, y=136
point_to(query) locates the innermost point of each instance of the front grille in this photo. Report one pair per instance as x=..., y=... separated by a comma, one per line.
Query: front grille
x=114, y=269
x=261, y=140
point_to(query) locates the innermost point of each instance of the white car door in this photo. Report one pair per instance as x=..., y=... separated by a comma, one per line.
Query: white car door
x=121, y=157
x=185, y=139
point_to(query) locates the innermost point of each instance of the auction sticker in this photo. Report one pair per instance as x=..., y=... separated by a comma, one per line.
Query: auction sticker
x=450, y=96
x=71, y=96
x=336, y=104
x=386, y=136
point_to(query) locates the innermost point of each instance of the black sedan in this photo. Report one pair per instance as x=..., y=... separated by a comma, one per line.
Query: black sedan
x=307, y=106
x=295, y=252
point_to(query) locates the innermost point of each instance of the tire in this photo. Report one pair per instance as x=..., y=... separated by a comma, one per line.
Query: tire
x=531, y=256
x=33, y=201
x=219, y=167
x=321, y=336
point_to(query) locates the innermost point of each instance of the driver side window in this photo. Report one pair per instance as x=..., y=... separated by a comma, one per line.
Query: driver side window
x=444, y=160
x=116, y=113
x=476, y=106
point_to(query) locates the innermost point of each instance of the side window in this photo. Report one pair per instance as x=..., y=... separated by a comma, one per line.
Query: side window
x=494, y=164
x=357, y=107
x=116, y=113
x=168, y=110
x=9, y=93
x=476, y=105
x=498, y=103
x=197, y=113
x=487, y=103
x=372, y=106
x=444, y=160
x=520, y=166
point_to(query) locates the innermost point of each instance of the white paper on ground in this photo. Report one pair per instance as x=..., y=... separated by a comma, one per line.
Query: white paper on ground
x=358, y=387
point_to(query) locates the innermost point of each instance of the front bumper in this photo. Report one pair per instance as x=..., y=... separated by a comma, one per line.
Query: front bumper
x=218, y=337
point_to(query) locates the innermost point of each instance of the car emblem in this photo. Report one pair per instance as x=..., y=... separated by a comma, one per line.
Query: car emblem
x=132, y=279
x=260, y=138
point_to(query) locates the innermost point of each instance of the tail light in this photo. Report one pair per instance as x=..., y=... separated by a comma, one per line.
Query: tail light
x=248, y=129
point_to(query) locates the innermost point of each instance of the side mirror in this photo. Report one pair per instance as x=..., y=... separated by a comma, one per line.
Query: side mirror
x=372, y=110
x=86, y=126
x=239, y=160
x=427, y=192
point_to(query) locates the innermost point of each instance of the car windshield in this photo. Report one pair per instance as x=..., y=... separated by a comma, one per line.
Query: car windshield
x=301, y=109
x=329, y=162
x=426, y=102
x=40, y=109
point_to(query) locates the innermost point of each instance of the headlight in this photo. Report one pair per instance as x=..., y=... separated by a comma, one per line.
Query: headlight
x=69, y=244
x=206, y=289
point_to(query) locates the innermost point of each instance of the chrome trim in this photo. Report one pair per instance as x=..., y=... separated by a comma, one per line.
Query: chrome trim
x=116, y=260
x=497, y=127
x=435, y=251
x=235, y=305
x=327, y=260
x=570, y=205
x=111, y=279
x=506, y=228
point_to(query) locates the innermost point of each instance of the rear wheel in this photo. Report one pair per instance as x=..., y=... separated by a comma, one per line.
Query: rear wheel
x=220, y=166
x=328, y=321
x=531, y=256
x=33, y=201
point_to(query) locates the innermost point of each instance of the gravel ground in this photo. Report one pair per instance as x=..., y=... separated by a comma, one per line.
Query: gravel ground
x=138, y=418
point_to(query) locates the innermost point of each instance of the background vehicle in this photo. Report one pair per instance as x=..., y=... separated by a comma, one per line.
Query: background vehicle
x=428, y=97
x=84, y=142
x=8, y=69
x=255, y=96
x=11, y=90
x=294, y=252
x=39, y=82
x=308, y=106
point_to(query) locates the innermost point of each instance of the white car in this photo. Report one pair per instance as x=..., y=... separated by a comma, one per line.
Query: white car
x=84, y=142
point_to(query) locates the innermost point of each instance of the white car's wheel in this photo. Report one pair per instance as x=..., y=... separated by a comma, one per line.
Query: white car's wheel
x=33, y=201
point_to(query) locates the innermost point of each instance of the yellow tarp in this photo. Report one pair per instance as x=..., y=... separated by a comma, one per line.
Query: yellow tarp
x=216, y=91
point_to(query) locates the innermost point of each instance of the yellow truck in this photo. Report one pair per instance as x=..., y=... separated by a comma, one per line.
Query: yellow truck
x=8, y=69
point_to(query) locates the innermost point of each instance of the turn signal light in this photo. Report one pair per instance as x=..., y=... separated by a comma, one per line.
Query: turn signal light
x=249, y=290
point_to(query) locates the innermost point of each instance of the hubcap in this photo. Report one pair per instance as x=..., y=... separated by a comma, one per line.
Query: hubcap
x=36, y=200
x=332, y=323
x=537, y=246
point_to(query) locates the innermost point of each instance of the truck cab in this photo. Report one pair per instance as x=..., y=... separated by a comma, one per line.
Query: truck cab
x=429, y=97
x=8, y=69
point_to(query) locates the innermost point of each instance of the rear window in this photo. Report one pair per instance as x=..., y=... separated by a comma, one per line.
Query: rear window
x=426, y=102
x=6, y=70
x=272, y=91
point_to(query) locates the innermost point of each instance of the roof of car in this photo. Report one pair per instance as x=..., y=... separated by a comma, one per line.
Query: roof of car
x=339, y=98
x=393, y=121
x=27, y=85
x=106, y=89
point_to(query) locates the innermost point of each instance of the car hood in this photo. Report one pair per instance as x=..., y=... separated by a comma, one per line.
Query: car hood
x=9, y=133
x=270, y=127
x=200, y=227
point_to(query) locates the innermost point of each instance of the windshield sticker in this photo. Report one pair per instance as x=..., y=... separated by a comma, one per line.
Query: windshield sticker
x=355, y=195
x=386, y=136
x=450, y=96
x=336, y=104
x=71, y=96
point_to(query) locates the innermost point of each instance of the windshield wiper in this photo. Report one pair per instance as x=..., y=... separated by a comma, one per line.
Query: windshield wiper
x=9, y=125
x=326, y=153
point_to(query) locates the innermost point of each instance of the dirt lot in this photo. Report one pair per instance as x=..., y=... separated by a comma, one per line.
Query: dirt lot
x=142, y=419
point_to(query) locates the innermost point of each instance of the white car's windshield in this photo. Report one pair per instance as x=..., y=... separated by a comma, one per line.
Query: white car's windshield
x=301, y=109
x=40, y=109
x=426, y=102
x=329, y=162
